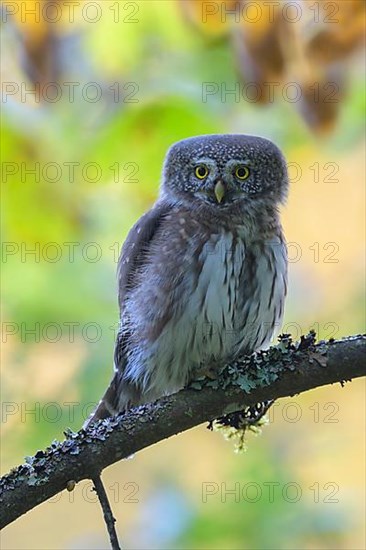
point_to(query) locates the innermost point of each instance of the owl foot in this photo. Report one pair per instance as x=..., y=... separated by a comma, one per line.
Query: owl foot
x=207, y=371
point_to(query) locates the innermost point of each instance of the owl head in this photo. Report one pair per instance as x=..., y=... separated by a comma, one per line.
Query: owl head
x=225, y=171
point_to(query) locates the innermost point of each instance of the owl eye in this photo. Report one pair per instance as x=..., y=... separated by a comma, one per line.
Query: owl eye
x=242, y=172
x=201, y=171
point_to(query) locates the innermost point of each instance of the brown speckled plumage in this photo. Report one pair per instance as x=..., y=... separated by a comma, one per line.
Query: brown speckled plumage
x=202, y=275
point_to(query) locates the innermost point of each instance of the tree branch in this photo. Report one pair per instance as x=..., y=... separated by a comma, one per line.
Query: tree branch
x=107, y=512
x=281, y=371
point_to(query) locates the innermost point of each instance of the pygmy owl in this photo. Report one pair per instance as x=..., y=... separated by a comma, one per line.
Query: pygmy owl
x=202, y=275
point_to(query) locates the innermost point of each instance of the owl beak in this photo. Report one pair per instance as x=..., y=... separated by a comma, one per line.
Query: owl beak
x=219, y=191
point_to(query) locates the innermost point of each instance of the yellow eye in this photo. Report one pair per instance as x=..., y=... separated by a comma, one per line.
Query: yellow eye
x=201, y=171
x=242, y=172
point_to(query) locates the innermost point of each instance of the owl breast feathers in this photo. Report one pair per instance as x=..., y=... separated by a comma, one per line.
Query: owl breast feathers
x=202, y=275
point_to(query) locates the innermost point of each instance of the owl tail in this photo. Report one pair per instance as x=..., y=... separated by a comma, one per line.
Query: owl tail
x=105, y=407
x=119, y=397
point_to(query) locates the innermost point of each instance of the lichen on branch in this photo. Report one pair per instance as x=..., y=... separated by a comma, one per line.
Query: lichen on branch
x=281, y=371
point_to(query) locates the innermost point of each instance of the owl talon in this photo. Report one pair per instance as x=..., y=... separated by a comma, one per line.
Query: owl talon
x=207, y=371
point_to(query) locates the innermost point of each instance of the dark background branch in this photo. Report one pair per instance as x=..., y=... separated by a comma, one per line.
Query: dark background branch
x=107, y=512
x=279, y=372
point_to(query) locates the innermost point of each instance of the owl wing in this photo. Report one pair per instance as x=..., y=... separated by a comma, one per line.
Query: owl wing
x=131, y=261
x=135, y=248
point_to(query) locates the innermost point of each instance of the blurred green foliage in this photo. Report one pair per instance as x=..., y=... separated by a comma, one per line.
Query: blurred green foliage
x=164, y=62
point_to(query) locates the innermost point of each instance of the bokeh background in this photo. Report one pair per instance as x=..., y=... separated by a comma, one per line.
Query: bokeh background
x=93, y=93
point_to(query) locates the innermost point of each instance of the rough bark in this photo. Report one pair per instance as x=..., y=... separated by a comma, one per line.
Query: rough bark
x=282, y=371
